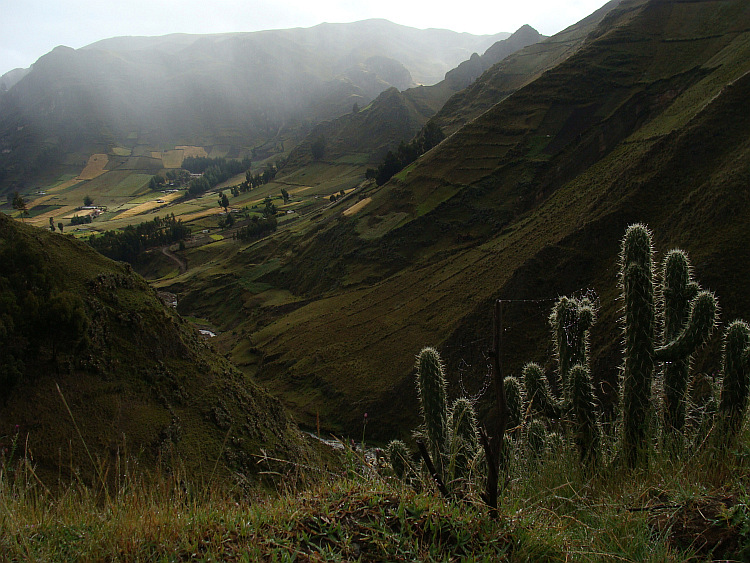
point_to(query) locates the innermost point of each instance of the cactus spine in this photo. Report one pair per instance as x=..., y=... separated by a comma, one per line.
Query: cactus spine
x=432, y=398
x=736, y=379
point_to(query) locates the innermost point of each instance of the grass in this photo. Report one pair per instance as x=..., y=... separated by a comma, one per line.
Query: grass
x=549, y=511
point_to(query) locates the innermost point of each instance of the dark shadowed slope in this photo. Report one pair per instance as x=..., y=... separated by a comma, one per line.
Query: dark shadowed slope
x=143, y=386
x=645, y=122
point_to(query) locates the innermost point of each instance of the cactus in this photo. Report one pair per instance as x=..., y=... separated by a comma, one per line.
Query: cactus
x=587, y=431
x=433, y=404
x=571, y=319
x=536, y=439
x=514, y=402
x=464, y=441
x=636, y=279
x=538, y=393
x=689, y=317
x=399, y=458
x=735, y=379
x=677, y=292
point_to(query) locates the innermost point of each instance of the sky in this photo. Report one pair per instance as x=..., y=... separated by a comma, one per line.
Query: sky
x=32, y=28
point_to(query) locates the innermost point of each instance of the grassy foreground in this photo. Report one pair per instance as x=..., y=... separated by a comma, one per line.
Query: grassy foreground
x=696, y=509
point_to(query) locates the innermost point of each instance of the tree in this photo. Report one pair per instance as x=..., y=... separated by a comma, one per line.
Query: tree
x=224, y=202
x=60, y=226
x=355, y=108
x=51, y=224
x=285, y=195
x=87, y=201
x=270, y=208
x=19, y=204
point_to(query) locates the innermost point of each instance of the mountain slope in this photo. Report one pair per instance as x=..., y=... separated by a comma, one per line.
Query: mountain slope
x=364, y=137
x=644, y=122
x=236, y=89
x=141, y=384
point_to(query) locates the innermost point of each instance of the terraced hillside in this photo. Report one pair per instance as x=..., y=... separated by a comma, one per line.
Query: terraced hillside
x=646, y=121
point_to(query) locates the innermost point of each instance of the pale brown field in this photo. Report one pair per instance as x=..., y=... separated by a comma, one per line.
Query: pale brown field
x=148, y=206
x=192, y=151
x=95, y=167
x=357, y=206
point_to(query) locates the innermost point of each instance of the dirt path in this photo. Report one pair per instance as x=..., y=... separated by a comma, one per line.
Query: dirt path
x=181, y=264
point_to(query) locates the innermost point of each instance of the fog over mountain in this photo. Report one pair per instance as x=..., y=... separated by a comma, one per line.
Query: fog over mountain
x=237, y=89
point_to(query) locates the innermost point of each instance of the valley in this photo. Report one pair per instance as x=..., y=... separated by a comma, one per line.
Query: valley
x=526, y=249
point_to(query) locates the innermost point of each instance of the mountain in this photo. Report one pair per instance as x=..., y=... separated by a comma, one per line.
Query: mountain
x=365, y=136
x=94, y=364
x=645, y=120
x=239, y=89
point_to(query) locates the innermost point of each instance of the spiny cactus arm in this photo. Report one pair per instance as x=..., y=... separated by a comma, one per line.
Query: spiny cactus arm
x=700, y=324
x=463, y=423
x=736, y=376
x=677, y=291
x=514, y=401
x=538, y=392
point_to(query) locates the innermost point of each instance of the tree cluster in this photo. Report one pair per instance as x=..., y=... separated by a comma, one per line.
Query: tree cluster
x=430, y=136
x=258, y=227
x=128, y=244
x=214, y=170
x=80, y=220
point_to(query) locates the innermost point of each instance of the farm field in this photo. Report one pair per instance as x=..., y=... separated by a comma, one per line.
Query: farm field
x=118, y=185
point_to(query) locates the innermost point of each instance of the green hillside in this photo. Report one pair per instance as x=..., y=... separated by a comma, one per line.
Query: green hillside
x=362, y=138
x=97, y=371
x=644, y=122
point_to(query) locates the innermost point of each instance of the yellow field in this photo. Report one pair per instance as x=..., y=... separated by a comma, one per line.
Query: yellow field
x=80, y=212
x=95, y=167
x=172, y=159
x=200, y=214
x=148, y=206
x=42, y=220
x=295, y=191
x=192, y=151
x=357, y=206
x=121, y=151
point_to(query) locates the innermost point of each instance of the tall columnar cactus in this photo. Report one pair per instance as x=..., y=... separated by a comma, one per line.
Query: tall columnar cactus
x=689, y=317
x=586, y=421
x=464, y=441
x=677, y=291
x=433, y=403
x=636, y=280
x=736, y=380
